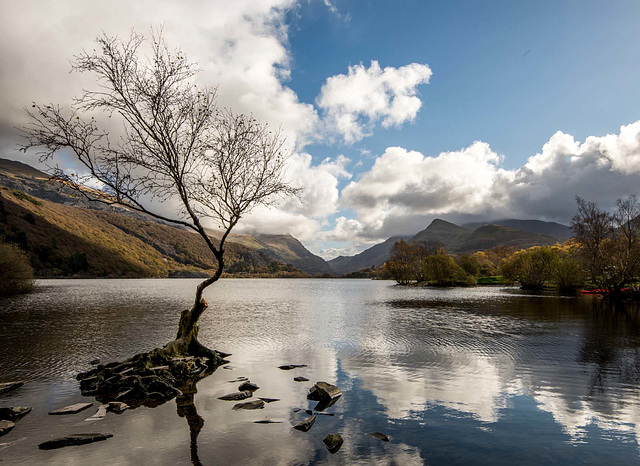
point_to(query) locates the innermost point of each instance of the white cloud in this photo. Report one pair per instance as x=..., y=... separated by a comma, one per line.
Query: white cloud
x=404, y=188
x=354, y=102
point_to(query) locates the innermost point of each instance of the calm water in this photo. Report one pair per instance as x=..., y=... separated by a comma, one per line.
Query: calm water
x=467, y=376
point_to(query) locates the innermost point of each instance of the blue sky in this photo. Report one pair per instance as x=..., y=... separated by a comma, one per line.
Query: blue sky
x=395, y=112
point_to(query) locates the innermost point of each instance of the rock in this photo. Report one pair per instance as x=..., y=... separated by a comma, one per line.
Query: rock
x=100, y=414
x=230, y=368
x=333, y=442
x=288, y=367
x=239, y=379
x=9, y=386
x=255, y=404
x=14, y=413
x=6, y=426
x=300, y=379
x=95, y=361
x=159, y=368
x=72, y=409
x=252, y=387
x=380, y=435
x=306, y=424
x=237, y=396
x=309, y=412
x=117, y=407
x=75, y=439
x=269, y=400
x=267, y=421
x=323, y=391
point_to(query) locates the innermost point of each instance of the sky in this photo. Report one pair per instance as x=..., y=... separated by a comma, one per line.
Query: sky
x=395, y=112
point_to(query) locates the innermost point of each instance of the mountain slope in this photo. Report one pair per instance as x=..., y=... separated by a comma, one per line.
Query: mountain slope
x=65, y=234
x=491, y=236
x=446, y=233
x=539, y=227
x=374, y=256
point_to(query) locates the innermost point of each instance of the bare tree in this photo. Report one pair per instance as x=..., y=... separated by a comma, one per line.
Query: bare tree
x=174, y=144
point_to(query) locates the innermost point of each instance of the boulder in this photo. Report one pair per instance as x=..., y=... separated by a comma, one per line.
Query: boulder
x=72, y=409
x=237, y=396
x=380, y=435
x=14, y=413
x=255, y=404
x=288, y=367
x=9, y=386
x=305, y=425
x=252, y=387
x=6, y=426
x=333, y=442
x=300, y=379
x=75, y=439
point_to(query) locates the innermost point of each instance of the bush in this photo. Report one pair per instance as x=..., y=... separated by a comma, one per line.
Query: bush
x=442, y=270
x=16, y=273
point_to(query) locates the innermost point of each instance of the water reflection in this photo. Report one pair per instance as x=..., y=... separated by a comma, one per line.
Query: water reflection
x=483, y=376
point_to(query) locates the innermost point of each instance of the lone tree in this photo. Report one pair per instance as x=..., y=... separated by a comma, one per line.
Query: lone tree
x=174, y=144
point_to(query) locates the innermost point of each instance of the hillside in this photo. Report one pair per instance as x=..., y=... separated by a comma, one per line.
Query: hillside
x=538, y=227
x=66, y=235
x=491, y=236
x=451, y=236
x=374, y=256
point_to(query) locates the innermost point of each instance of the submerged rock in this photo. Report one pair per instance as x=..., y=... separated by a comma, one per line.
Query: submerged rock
x=255, y=404
x=333, y=442
x=75, y=439
x=267, y=421
x=380, y=435
x=100, y=414
x=300, y=379
x=305, y=425
x=72, y=409
x=325, y=393
x=252, y=387
x=14, y=413
x=236, y=396
x=6, y=426
x=9, y=386
x=308, y=411
x=288, y=367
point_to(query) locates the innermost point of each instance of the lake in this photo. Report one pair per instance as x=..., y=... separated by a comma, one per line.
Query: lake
x=485, y=375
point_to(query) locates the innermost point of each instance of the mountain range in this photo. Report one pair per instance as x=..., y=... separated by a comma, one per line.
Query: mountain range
x=68, y=235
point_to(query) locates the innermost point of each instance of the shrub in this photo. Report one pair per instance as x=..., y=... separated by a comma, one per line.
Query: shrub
x=16, y=273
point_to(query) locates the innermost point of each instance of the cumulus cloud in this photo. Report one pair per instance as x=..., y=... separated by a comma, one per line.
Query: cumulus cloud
x=355, y=101
x=404, y=188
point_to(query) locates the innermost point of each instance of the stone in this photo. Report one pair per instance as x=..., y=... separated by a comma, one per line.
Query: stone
x=288, y=367
x=267, y=421
x=380, y=435
x=252, y=387
x=269, y=400
x=255, y=404
x=323, y=391
x=9, y=386
x=305, y=425
x=300, y=379
x=95, y=361
x=237, y=396
x=239, y=379
x=6, y=426
x=14, y=413
x=117, y=407
x=333, y=442
x=72, y=409
x=75, y=439
x=100, y=414
x=309, y=412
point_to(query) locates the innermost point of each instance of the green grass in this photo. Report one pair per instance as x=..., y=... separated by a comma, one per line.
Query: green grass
x=492, y=280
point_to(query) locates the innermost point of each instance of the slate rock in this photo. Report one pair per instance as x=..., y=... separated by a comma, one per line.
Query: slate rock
x=117, y=407
x=288, y=367
x=300, y=379
x=305, y=425
x=267, y=421
x=255, y=404
x=252, y=387
x=380, y=435
x=75, y=439
x=9, y=386
x=323, y=391
x=269, y=400
x=309, y=412
x=14, y=413
x=333, y=442
x=237, y=396
x=72, y=409
x=6, y=426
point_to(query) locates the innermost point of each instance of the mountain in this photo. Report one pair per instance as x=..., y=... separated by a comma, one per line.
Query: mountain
x=538, y=227
x=65, y=234
x=457, y=239
x=374, y=256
